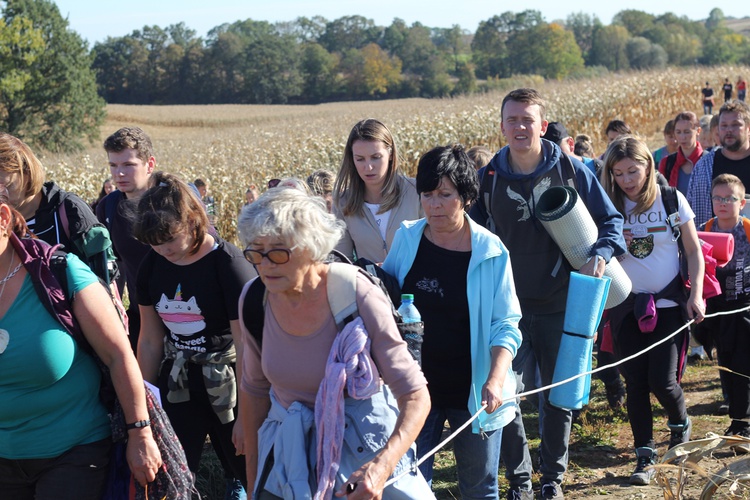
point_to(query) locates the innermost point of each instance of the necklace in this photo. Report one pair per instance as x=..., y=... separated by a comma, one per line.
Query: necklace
x=9, y=274
x=455, y=245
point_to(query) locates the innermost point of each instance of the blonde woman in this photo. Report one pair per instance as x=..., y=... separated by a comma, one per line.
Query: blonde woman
x=371, y=195
x=659, y=304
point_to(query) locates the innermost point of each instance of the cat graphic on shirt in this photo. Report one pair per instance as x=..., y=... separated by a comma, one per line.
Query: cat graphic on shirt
x=182, y=317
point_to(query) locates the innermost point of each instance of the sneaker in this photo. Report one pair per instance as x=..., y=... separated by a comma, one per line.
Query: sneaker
x=234, y=490
x=723, y=408
x=679, y=433
x=740, y=449
x=642, y=475
x=615, y=394
x=519, y=494
x=551, y=490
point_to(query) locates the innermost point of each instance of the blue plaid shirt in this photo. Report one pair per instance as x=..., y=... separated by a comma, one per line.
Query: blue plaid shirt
x=699, y=189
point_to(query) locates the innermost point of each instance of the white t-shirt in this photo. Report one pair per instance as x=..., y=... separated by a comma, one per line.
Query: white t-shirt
x=652, y=260
x=380, y=219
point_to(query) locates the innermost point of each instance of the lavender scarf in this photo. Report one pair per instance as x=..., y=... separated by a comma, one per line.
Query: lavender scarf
x=349, y=366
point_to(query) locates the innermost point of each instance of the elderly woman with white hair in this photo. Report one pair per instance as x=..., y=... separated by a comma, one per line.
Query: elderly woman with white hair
x=302, y=437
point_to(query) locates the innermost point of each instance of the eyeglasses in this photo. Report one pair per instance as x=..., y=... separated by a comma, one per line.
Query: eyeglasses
x=276, y=255
x=273, y=183
x=723, y=200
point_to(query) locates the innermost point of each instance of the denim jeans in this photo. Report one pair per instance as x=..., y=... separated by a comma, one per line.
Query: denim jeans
x=477, y=456
x=542, y=334
x=78, y=474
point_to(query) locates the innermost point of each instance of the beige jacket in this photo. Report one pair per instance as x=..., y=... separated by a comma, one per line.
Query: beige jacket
x=362, y=233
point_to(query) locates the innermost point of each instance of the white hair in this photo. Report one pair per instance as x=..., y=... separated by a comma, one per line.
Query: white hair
x=300, y=220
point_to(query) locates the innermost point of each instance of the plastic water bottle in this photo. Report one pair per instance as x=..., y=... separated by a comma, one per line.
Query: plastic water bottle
x=412, y=328
x=408, y=310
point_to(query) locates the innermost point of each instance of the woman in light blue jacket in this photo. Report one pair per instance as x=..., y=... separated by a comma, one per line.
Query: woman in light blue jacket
x=462, y=283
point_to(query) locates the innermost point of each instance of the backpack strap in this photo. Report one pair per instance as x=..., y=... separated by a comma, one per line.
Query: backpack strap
x=746, y=225
x=111, y=201
x=253, y=300
x=63, y=216
x=709, y=225
x=669, y=165
x=487, y=188
x=569, y=174
x=341, y=288
x=669, y=199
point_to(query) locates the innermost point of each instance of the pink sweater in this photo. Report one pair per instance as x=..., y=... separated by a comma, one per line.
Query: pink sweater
x=295, y=366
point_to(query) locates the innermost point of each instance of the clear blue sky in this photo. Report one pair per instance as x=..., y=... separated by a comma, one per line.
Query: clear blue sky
x=97, y=19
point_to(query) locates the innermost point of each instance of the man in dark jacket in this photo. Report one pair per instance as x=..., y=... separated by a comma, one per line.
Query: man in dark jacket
x=515, y=179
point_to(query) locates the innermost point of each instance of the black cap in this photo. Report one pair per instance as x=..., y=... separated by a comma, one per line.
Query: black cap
x=556, y=132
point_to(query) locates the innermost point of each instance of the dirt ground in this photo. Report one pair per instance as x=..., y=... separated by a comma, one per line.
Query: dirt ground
x=601, y=450
x=602, y=456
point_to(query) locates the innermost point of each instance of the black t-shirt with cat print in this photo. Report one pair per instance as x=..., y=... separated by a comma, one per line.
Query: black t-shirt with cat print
x=196, y=302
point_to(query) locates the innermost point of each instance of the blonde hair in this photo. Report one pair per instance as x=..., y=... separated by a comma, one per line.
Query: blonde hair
x=349, y=190
x=629, y=147
x=17, y=158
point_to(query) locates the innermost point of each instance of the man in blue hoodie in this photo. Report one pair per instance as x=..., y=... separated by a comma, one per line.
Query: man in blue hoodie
x=515, y=179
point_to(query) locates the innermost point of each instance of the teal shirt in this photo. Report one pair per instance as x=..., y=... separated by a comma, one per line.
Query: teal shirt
x=49, y=387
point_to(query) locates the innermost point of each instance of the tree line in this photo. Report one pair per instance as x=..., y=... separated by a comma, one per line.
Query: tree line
x=311, y=60
x=53, y=88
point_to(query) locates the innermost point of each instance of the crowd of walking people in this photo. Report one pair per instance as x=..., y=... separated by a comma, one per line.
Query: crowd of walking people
x=288, y=354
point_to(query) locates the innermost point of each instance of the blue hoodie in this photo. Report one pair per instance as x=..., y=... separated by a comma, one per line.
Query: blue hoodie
x=540, y=270
x=494, y=311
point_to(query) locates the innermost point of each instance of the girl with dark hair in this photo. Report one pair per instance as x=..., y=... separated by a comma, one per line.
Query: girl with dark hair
x=371, y=195
x=189, y=345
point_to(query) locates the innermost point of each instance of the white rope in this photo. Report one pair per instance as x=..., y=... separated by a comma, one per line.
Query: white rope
x=413, y=468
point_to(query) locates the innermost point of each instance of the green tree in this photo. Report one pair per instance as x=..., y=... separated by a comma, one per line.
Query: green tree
x=271, y=69
x=545, y=49
x=583, y=27
x=58, y=105
x=636, y=22
x=643, y=54
x=20, y=46
x=489, y=52
x=715, y=19
x=349, y=32
x=467, y=80
x=422, y=63
x=319, y=73
x=609, y=48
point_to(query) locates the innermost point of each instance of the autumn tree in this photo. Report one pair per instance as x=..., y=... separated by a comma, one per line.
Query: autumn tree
x=370, y=71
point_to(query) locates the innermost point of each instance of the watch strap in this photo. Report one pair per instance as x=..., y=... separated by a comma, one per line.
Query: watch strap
x=138, y=425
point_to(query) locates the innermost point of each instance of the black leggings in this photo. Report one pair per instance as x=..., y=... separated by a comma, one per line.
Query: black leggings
x=654, y=371
x=194, y=419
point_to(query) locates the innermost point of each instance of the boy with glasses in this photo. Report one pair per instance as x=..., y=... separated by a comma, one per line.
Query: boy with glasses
x=731, y=333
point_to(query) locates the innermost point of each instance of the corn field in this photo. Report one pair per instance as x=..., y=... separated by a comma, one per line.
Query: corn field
x=233, y=146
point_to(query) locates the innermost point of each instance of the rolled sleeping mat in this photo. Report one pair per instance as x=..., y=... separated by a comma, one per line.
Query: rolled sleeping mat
x=569, y=223
x=722, y=243
x=586, y=298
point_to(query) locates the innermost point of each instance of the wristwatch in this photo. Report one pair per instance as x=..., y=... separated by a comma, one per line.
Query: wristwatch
x=138, y=425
